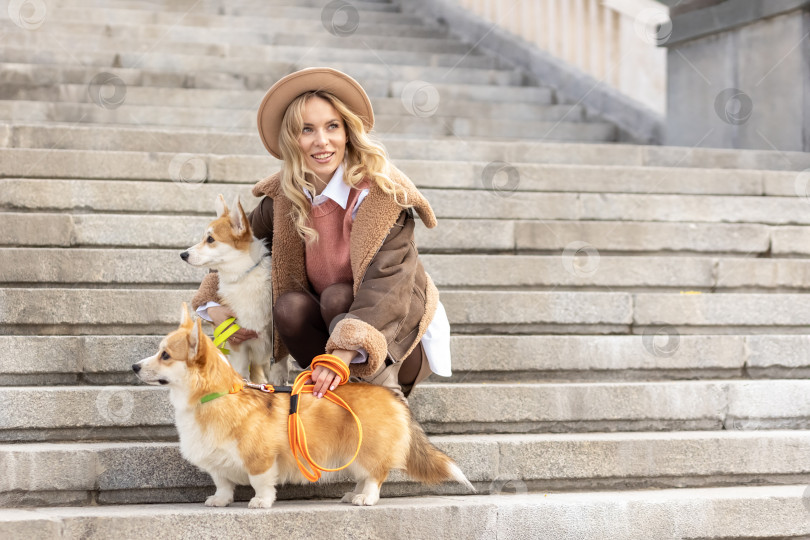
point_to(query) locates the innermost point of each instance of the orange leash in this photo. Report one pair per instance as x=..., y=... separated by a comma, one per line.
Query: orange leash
x=295, y=427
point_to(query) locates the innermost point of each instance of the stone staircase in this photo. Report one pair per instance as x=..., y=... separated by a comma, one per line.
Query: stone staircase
x=630, y=341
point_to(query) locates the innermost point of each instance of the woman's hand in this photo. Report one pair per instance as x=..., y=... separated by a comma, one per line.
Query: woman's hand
x=324, y=378
x=219, y=314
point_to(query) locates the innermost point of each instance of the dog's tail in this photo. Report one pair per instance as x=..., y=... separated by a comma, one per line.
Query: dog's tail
x=428, y=464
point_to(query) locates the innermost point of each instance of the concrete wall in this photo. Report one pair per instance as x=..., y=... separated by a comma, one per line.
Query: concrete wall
x=636, y=121
x=738, y=76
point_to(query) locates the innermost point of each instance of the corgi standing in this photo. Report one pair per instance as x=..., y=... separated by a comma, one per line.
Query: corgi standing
x=240, y=436
x=243, y=265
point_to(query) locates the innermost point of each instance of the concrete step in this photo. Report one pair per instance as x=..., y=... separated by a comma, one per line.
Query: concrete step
x=595, y=157
x=552, y=123
x=143, y=311
x=19, y=163
x=455, y=235
x=83, y=311
x=131, y=64
x=180, y=198
x=223, y=7
x=462, y=235
x=258, y=19
x=394, y=49
x=661, y=353
x=510, y=100
x=254, y=77
x=710, y=513
x=34, y=106
x=83, y=473
x=34, y=48
x=244, y=30
x=571, y=271
x=91, y=413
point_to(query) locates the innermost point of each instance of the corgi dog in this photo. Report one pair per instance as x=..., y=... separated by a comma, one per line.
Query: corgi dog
x=242, y=437
x=241, y=260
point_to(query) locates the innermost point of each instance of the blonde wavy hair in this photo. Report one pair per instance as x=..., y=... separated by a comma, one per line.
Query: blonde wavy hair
x=365, y=159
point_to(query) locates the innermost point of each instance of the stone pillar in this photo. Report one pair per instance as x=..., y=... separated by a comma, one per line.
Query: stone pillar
x=737, y=74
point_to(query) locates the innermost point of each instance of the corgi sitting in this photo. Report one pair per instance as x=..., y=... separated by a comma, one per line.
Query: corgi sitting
x=242, y=437
x=229, y=247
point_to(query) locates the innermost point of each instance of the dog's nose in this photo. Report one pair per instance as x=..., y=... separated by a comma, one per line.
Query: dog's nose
x=184, y=255
x=136, y=368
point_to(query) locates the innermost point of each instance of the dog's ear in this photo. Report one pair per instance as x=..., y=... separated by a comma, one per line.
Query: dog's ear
x=220, y=205
x=194, y=339
x=239, y=220
x=185, y=316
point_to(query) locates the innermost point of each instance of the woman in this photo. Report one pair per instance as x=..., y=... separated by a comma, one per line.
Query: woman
x=338, y=219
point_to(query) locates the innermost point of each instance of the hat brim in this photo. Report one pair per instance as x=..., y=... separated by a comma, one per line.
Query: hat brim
x=285, y=90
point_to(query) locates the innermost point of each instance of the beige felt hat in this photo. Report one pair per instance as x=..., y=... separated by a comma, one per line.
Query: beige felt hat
x=286, y=89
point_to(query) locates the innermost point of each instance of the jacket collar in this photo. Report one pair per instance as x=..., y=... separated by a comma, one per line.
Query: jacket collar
x=271, y=187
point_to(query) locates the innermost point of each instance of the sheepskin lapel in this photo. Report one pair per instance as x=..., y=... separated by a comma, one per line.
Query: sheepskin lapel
x=375, y=217
x=288, y=268
x=371, y=225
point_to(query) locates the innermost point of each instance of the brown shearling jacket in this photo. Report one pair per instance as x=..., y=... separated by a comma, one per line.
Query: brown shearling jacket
x=394, y=298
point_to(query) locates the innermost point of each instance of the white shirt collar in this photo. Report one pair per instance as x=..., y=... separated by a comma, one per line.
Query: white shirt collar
x=336, y=189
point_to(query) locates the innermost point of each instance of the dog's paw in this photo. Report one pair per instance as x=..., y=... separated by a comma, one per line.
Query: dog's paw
x=213, y=500
x=278, y=374
x=349, y=497
x=258, y=502
x=365, y=500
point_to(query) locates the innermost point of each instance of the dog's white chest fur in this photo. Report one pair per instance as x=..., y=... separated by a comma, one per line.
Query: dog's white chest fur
x=206, y=451
x=249, y=296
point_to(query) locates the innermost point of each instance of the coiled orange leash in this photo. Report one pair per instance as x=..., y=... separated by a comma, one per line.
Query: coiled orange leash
x=295, y=427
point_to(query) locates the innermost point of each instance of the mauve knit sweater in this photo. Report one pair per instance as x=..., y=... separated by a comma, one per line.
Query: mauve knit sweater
x=327, y=259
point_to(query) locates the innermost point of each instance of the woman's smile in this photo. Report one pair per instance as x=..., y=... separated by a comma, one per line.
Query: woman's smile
x=323, y=157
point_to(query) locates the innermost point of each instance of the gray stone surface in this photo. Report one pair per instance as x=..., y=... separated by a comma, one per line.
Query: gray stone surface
x=106, y=13
x=754, y=405
x=791, y=241
x=563, y=407
x=748, y=512
x=643, y=181
x=782, y=351
x=36, y=230
x=609, y=353
x=445, y=123
x=97, y=266
x=253, y=30
x=565, y=270
x=73, y=354
x=147, y=307
x=602, y=156
x=756, y=310
x=505, y=308
x=758, y=273
x=83, y=413
x=635, y=120
x=114, y=307
x=118, y=195
x=657, y=354
x=621, y=236
x=490, y=461
x=163, y=267
x=742, y=85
